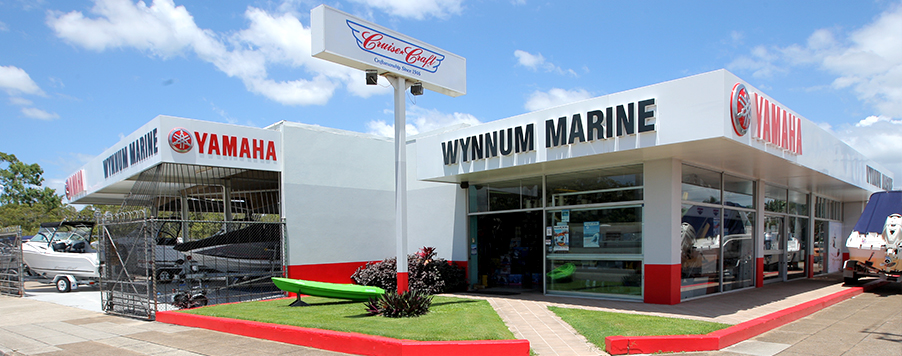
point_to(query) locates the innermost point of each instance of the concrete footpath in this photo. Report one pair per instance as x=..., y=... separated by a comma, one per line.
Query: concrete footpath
x=48, y=323
x=29, y=326
x=869, y=324
x=528, y=317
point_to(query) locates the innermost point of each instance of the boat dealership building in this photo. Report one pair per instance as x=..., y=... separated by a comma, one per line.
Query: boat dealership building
x=673, y=191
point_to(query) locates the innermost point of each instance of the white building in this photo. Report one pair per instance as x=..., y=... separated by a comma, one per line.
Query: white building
x=672, y=191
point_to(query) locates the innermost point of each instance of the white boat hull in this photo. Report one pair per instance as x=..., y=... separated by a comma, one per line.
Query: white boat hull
x=41, y=259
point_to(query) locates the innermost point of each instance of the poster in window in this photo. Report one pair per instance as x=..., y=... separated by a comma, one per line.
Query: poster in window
x=834, y=249
x=591, y=234
x=562, y=238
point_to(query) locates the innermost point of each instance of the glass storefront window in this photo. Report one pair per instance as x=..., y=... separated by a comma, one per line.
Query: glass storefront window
x=738, y=192
x=774, y=199
x=619, y=184
x=531, y=193
x=507, y=195
x=700, y=232
x=700, y=185
x=819, y=264
x=798, y=203
x=738, y=249
x=479, y=198
x=576, y=275
x=828, y=209
x=504, y=196
x=797, y=248
x=773, y=247
x=596, y=231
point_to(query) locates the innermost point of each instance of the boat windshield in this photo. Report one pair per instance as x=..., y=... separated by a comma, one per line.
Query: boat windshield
x=66, y=232
x=73, y=233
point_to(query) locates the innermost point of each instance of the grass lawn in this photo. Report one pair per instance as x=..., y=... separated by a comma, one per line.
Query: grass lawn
x=596, y=325
x=448, y=319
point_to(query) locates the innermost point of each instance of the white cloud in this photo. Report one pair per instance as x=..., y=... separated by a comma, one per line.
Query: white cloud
x=537, y=61
x=165, y=30
x=871, y=120
x=539, y=100
x=760, y=62
x=867, y=60
x=15, y=80
x=736, y=37
x=3, y=26
x=20, y=101
x=421, y=120
x=529, y=60
x=39, y=114
x=879, y=139
x=416, y=9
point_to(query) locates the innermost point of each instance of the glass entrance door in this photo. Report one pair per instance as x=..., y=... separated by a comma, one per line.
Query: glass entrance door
x=509, y=250
x=774, y=248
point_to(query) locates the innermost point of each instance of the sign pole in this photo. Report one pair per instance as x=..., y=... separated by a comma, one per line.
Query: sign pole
x=338, y=37
x=400, y=180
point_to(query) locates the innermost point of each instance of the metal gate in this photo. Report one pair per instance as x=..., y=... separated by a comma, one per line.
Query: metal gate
x=153, y=264
x=11, y=274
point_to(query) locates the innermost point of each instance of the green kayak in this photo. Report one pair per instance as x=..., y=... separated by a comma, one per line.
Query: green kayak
x=564, y=271
x=328, y=290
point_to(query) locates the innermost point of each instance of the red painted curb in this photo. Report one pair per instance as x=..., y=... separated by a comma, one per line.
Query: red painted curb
x=346, y=342
x=622, y=345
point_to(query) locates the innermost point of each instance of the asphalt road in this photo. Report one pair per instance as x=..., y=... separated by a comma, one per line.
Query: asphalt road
x=867, y=325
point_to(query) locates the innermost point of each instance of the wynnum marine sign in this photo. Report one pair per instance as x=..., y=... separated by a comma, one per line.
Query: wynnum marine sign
x=614, y=121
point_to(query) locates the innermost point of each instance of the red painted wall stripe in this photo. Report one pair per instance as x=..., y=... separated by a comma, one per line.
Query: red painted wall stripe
x=335, y=272
x=346, y=342
x=662, y=284
x=759, y=274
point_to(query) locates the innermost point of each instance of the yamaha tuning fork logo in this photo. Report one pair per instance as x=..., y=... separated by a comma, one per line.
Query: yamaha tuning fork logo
x=180, y=140
x=740, y=109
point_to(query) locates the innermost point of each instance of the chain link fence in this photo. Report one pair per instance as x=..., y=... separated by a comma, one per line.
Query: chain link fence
x=11, y=274
x=153, y=264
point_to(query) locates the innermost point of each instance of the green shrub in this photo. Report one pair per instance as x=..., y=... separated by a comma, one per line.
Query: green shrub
x=404, y=305
x=426, y=274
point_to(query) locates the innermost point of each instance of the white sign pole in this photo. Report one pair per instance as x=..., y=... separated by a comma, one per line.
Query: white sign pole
x=400, y=180
x=344, y=39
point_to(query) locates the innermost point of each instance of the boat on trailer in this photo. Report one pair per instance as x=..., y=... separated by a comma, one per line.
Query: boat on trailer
x=875, y=244
x=65, y=253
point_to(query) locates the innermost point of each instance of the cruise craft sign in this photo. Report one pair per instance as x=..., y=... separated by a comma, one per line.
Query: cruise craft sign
x=344, y=39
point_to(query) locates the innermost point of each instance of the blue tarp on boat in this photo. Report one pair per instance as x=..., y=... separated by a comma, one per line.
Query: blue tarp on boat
x=880, y=205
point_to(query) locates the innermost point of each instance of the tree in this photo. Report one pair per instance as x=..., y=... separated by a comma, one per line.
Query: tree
x=29, y=218
x=21, y=184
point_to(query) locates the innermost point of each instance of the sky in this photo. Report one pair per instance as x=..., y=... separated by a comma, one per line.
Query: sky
x=76, y=76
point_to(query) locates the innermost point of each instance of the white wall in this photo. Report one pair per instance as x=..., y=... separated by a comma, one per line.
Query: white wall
x=338, y=198
x=437, y=214
x=339, y=201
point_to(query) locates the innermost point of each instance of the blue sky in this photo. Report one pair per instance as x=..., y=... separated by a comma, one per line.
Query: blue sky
x=77, y=75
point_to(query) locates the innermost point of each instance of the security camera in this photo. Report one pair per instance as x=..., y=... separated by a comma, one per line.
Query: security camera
x=372, y=77
x=416, y=89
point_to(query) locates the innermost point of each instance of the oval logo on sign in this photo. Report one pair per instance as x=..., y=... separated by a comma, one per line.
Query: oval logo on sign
x=180, y=140
x=740, y=109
